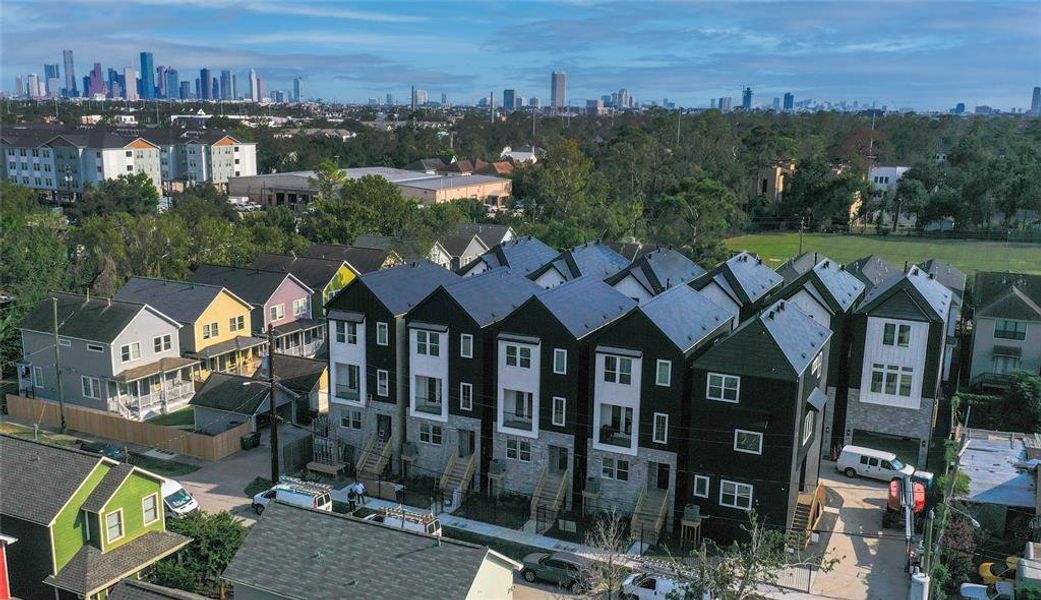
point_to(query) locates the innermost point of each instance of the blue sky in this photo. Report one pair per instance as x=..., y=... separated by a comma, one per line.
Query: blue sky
x=928, y=55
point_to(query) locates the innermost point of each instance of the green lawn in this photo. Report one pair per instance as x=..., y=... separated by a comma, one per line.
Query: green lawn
x=179, y=418
x=968, y=255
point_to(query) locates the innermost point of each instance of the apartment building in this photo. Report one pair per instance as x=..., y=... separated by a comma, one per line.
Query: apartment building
x=190, y=157
x=369, y=348
x=117, y=356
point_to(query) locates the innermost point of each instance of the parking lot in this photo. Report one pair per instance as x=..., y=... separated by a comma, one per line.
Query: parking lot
x=871, y=560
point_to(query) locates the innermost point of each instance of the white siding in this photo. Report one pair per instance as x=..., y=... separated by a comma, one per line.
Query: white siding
x=617, y=394
x=494, y=580
x=817, y=311
x=912, y=356
x=520, y=379
x=550, y=279
x=350, y=354
x=424, y=365
x=633, y=289
x=716, y=294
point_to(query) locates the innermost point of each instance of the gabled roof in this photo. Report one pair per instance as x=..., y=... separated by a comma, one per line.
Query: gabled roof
x=184, y=301
x=829, y=282
x=795, y=267
x=684, y=315
x=659, y=270
x=426, y=164
x=374, y=242
x=522, y=255
x=991, y=286
x=326, y=556
x=747, y=276
x=632, y=250
x=872, y=270
x=361, y=260
x=39, y=479
x=947, y=274
x=779, y=342
x=255, y=286
x=107, y=487
x=492, y=295
x=316, y=273
x=594, y=259
x=490, y=233
x=1014, y=304
x=585, y=305
x=235, y=393
x=132, y=589
x=297, y=373
x=403, y=287
x=457, y=243
x=930, y=296
x=95, y=319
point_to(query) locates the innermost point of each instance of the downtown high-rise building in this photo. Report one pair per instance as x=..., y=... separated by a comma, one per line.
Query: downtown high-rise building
x=161, y=90
x=173, y=84
x=185, y=88
x=130, y=89
x=226, y=91
x=746, y=99
x=725, y=104
x=97, y=81
x=535, y=102
x=298, y=84
x=558, y=90
x=147, y=76
x=52, y=79
x=33, y=87
x=509, y=99
x=254, y=86
x=205, y=84
x=389, y=100
x=789, y=101
x=1035, y=102
x=70, y=74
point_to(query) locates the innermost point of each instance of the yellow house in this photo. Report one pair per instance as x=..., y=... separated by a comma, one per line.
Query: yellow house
x=216, y=323
x=324, y=276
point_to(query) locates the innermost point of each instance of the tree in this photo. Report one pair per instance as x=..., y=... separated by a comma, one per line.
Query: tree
x=697, y=211
x=135, y=194
x=1021, y=404
x=216, y=538
x=609, y=536
x=958, y=546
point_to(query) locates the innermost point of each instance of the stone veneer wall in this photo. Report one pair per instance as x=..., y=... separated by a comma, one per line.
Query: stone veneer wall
x=891, y=420
x=521, y=477
x=432, y=459
x=623, y=495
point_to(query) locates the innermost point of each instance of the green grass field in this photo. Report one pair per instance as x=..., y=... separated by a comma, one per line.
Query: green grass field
x=180, y=418
x=968, y=255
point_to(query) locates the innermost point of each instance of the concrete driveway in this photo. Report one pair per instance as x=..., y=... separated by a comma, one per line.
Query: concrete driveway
x=871, y=560
x=219, y=486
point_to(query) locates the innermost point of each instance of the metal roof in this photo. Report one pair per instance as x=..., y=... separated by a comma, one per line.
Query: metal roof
x=585, y=304
x=492, y=295
x=684, y=315
x=403, y=287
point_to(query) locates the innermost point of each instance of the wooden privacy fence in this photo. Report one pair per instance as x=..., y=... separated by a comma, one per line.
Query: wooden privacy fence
x=114, y=427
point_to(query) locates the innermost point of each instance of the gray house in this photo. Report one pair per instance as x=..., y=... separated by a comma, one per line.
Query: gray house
x=118, y=356
x=1006, y=333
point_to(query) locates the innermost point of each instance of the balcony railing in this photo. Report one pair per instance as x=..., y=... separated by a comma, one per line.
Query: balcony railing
x=613, y=437
x=514, y=421
x=998, y=380
x=428, y=406
x=344, y=392
x=306, y=350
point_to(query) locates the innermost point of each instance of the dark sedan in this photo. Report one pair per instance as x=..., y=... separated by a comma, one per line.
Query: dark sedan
x=570, y=571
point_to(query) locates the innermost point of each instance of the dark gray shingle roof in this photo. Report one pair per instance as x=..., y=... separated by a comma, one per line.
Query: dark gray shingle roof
x=325, y=556
x=107, y=487
x=362, y=260
x=660, y=269
x=947, y=274
x=38, y=478
x=585, y=304
x=297, y=373
x=401, y=288
x=872, y=270
x=90, y=569
x=255, y=286
x=684, y=315
x=795, y=267
x=96, y=319
x=457, y=243
x=522, y=255
x=183, y=301
x=934, y=298
x=492, y=295
x=592, y=258
x=843, y=287
x=132, y=589
x=316, y=273
x=489, y=233
x=235, y=394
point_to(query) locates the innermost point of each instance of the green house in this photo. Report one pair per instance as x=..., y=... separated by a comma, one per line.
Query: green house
x=83, y=522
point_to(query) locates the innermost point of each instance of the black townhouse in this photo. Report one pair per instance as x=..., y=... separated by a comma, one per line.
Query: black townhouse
x=542, y=393
x=754, y=433
x=368, y=359
x=594, y=259
x=522, y=255
x=452, y=356
x=640, y=370
x=741, y=284
x=653, y=272
x=826, y=291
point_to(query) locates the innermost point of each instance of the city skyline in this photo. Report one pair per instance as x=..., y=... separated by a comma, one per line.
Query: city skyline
x=688, y=53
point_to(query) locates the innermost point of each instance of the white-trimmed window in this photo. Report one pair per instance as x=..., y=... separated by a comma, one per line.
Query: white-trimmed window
x=351, y=419
x=807, y=426
x=91, y=387
x=891, y=380
x=517, y=449
x=748, y=441
x=150, y=508
x=299, y=306
x=162, y=343
x=613, y=468
x=818, y=361
x=382, y=334
x=350, y=331
x=428, y=343
x=210, y=330
x=894, y=334
x=382, y=382
x=466, y=345
x=466, y=396
x=237, y=323
x=95, y=347
x=735, y=495
x=131, y=351
x=663, y=373
x=277, y=312
x=618, y=369
x=701, y=483
x=560, y=361
x=518, y=356
x=559, y=411
x=725, y=388
x=660, y=432
x=64, y=342
x=1010, y=330
x=431, y=434
x=38, y=377
x=114, y=525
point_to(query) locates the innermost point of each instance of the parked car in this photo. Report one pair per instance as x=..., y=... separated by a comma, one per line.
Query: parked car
x=570, y=571
x=295, y=492
x=875, y=464
x=1002, y=590
x=995, y=571
x=648, y=586
x=112, y=451
x=179, y=503
x=407, y=519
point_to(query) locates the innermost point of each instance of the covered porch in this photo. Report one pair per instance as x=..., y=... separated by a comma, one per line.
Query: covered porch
x=160, y=387
x=303, y=337
x=240, y=356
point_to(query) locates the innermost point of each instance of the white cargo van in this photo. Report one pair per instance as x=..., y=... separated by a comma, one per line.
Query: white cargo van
x=407, y=519
x=296, y=492
x=874, y=464
x=179, y=503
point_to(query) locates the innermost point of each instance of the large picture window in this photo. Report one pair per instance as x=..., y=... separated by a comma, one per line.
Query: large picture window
x=618, y=369
x=1010, y=330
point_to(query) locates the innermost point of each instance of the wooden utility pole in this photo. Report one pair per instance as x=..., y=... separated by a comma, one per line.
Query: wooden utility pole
x=273, y=415
x=57, y=367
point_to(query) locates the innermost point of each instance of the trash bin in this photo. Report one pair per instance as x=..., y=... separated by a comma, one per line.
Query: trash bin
x=250, y=440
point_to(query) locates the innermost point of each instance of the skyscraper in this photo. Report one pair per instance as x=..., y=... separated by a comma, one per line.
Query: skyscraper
x=70, y=74
x=186, y=89
x=422, y=97
x=33, y=85
x=173, y=86
x=233, y=93
x=254, y=86
x=19, y=86
x=130, y=84
x=225, y=85
x=1035, y=102
x=50, y=71
x=777, y=103
x=789, y=101
x=97, y=81
x=726, y=103
x=147, y=76
x=746, y=99
x=298, y=84
x=535, y=102
x=205, y=84
x=390, y=99
x=444, y=99
x=509, y=99
x=160, y=82
x=51, y=77
x=558, y=90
